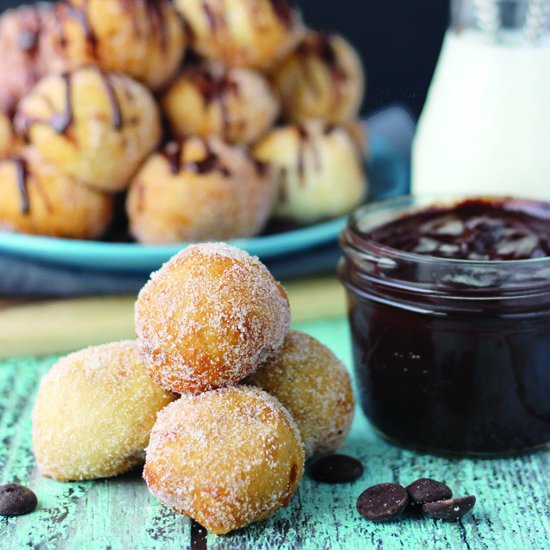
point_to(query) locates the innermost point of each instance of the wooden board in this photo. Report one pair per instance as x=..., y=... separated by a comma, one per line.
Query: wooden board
x=58, y=326
x=512, y=511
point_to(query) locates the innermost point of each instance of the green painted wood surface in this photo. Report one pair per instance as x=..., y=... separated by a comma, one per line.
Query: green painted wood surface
x=512, y=511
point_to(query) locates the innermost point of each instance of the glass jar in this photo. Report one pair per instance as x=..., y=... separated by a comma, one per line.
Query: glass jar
x=486, y=121
x=451, y=356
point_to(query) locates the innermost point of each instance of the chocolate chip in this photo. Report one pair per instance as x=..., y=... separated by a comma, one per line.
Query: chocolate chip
x=336, y=469
x=428, y=490
x=16, y=500
x=449, y=510
x=382, y=502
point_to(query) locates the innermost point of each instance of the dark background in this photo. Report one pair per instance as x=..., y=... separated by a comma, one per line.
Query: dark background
x=398, y=40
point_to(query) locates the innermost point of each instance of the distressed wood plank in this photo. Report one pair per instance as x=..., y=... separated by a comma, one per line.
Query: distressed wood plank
x=512, y=511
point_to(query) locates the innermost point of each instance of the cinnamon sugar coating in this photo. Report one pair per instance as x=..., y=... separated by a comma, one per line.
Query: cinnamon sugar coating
x=94, y=413
x=209, y=318
x=226, y=458
x=315, y=387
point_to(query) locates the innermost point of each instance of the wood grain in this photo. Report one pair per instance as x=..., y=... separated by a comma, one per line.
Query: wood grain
x=512, y=512
x=47, y=327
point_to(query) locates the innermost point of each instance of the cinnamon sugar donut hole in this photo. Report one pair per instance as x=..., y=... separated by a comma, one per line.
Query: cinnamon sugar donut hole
x=94, y=413
x=315, y=387
x=144, y=39
x=226, y=458
x=199, y=190
x=209, y=318
x=38, y=199
x=242, y=33
x=94, y=126
x=212, y=100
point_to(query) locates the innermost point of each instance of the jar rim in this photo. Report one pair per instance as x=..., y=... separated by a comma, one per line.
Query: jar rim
x=373, y=263
x=431, y=200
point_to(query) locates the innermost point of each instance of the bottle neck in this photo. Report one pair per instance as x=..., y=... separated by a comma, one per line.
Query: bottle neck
x=499, y=18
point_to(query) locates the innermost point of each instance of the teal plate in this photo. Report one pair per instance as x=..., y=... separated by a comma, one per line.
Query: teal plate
x=136, y=257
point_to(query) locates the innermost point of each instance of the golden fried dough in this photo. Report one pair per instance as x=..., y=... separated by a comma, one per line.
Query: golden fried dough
x=94, y=413
x=315, y=387
x=226, y=458
x=209, y=318
x=235, y=104
x=38, y=199
x=199, y=190
x=319, y=170
x=94, y=126
x=242, y=33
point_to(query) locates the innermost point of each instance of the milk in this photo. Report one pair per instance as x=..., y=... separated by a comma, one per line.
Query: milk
x=486, y=123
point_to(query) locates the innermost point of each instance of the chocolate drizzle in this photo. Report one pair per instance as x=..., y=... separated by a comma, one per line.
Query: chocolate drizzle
x=174, y=153
x=60, y=122
x=67, y=10
x=302, y=141
x=156, y=16
x=321, y=45
x=28, y=41
x=22, y=184
x=262, y=168
x=215, y=20
x=116, y=111
x=282, y=184
x=215, y=87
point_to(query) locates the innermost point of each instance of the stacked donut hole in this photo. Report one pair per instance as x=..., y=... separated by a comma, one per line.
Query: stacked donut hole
x=220, y=399
x=209, y=118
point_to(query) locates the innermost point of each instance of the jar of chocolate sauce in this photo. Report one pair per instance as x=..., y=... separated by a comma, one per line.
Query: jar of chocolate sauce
x=449, y=306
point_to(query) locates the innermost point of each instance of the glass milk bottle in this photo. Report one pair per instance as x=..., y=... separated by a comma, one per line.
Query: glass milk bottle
x=485, y=128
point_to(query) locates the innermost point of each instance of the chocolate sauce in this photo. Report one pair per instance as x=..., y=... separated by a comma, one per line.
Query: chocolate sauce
x=116, y=111
x=60, y=122
x=451, y=355
x=22, y=184
x=471, y=230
